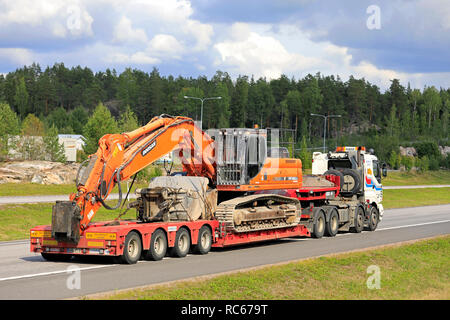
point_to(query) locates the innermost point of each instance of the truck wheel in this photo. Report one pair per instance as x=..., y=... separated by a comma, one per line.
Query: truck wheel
x=319, y=225
x=374, y=217
x=204, y=241
x=359, y=220
x=158, y=246
x=352, y=182
x=182, y=244
x=332, y=226
x=56, y=257
x=132, y=248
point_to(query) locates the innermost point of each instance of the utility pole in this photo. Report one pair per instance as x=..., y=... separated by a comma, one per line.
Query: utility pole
x=202, y=100
x=325, y=126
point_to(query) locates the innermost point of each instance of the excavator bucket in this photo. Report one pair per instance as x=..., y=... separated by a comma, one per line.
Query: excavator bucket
x=66, y=221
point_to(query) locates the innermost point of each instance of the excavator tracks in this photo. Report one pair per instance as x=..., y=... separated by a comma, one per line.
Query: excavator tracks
x=258, y=212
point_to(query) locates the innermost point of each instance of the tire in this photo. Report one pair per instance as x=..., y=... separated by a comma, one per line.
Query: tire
x=352, y=182
x=182, y=244
x=319, y=224
x=158, y=246
x=359, y=220
x=56, y=257
x=332, y=225
x=336, y=173
x=374, y=218
x=204, y=241
x=132, y=248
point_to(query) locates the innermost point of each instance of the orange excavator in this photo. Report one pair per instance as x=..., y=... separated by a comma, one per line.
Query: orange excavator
x=234, y=161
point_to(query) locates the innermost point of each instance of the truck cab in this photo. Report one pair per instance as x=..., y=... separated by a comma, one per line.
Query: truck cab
x=359, y=170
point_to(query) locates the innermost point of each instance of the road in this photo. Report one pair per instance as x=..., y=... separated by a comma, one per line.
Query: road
x=115, y=196
x=25, y=275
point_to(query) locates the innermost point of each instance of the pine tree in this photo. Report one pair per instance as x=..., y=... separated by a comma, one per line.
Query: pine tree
x=305, y=155
x=100, y=123
x=21, y=98
x=9, y=126
x=52, y=145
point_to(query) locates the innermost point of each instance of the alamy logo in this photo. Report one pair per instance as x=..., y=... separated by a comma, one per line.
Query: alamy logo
x=374, y=20
x=73, y=282
x=374, y=281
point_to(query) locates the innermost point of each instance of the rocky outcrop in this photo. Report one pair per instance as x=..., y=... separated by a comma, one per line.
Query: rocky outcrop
x=41, y=172
x=408, y=151
x=444, y=150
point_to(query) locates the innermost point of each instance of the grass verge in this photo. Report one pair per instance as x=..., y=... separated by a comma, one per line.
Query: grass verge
x=16, y=220
x=34, y=189
x=402, y=178
x=402, y=198
x=418, y=270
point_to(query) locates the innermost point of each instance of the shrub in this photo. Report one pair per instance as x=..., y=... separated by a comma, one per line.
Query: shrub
x=429, y=149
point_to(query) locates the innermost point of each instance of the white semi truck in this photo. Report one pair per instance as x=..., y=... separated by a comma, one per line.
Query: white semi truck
x=360, y=173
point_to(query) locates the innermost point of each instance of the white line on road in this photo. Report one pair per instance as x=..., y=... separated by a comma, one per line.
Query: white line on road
x=414, y=225
x=53, y=272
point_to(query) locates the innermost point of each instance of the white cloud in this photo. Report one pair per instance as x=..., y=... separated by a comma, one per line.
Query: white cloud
x=139, y=57
x=19, y=56
x=251, y=53
x=125, y=33
x=59, y=17
x=258, y=50
x=165, y=45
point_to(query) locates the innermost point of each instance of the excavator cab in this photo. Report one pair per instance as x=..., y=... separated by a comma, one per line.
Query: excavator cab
x=240, y=155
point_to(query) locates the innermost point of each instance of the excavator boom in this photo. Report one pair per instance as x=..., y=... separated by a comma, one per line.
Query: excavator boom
x=120, y=156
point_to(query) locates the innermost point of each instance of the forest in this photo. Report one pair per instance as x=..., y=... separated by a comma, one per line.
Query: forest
x=70, y=99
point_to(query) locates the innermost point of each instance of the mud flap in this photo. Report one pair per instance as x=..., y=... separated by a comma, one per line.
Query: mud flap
x=66, y=221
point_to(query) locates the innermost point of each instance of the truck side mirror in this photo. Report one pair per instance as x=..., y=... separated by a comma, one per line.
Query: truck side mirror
x=384, y=170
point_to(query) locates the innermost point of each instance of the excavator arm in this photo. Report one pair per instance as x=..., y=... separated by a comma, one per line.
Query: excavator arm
x=120, y=156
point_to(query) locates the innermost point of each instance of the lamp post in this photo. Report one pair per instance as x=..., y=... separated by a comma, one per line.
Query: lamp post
x=325, y=125
x=202, y=100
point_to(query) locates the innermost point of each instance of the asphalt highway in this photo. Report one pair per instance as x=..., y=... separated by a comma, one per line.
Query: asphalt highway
x=25, y=275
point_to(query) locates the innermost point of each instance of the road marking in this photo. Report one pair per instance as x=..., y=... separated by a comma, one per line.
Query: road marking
x=414, y=225
x=52, y=272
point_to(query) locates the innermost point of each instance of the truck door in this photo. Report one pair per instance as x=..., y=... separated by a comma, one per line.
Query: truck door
x=373, y=188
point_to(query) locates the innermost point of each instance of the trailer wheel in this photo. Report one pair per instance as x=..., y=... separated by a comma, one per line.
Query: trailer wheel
x=204, y=241
x=374, y=217
x=158, y=246
x=182, y=244
x=359, y=220
x=56, y=257
x=132, y=248
x=319, y=225
x=332, y=226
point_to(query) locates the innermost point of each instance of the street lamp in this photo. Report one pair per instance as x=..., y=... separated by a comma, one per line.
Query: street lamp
x=325, y=125
x=202, y=99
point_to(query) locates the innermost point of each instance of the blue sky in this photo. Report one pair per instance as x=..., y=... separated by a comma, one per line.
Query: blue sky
x=263, y=38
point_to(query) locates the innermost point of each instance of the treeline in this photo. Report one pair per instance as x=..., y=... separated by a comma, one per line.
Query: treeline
x=67, y=97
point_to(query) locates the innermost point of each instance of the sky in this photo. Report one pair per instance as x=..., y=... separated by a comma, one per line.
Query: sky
x=378, y=40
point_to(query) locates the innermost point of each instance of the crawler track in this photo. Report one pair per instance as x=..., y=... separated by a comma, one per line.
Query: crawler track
x=285, y=213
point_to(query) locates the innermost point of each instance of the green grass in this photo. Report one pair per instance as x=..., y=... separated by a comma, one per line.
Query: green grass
x=412, y=271
x=33, y=189
x=16, y=220
x=402, y=178
x=402, y=198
